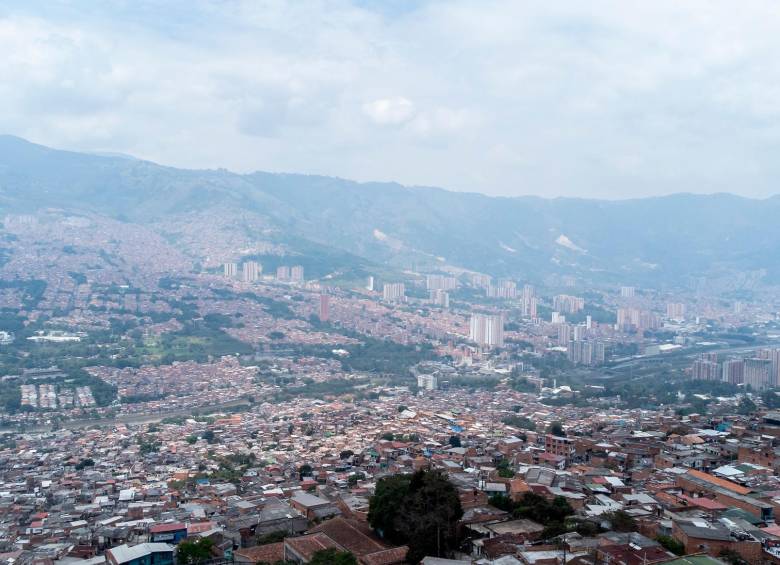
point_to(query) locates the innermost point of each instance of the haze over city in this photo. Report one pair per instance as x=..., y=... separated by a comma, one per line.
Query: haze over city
x=579, y=99
x=389, y=283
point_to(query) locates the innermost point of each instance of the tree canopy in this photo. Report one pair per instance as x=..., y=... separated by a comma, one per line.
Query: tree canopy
x=421, y=510
x=192, y=552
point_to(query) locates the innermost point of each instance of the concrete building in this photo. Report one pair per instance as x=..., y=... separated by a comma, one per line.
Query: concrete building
x=440, y=298
x=251, y=271
x=394, y=292
x=440, y=282
x=757, y=373
x=568, y=304
x=487, y=330
x=230, y=270
x=324, y=313
x=427, y=382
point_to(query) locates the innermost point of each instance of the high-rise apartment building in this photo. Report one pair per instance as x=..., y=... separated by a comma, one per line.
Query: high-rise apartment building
x=296, y=274
x=480, y=280
x=564, y=334
x=675, y=311
x=230, y=270
x=757, y=373
x=581, y=352
x=370, y=283
x=774, y=357
x=440, y=298
x=487, y=330
x=568, y=304
x=283, y=273
x=393, y=292
x=441, y=282
x=529, y=308
x=733, y=371
x=250, y=271
x=635, y=319
x=324, y=313
x=502, y=289
x=706, y=370
x=627, y=291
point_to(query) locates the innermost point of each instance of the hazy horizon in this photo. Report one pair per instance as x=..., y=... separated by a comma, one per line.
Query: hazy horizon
x=609, y=100
x=110, y=154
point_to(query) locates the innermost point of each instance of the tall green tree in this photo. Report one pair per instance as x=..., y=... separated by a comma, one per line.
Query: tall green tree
x=421, y=510
x=386, y=503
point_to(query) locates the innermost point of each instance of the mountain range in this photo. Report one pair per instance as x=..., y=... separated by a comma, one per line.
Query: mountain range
x=668, y=240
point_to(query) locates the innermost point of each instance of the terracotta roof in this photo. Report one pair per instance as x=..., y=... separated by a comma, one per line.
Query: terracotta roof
x=703, y=502
x=386, y=557
x=271, y=553
x=308, y=545
x=718, y=481
x=351, y=536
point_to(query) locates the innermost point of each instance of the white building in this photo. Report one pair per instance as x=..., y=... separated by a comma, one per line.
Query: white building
x=230, y=270
x=487, y=330
x=393, y=292
x=427, y=382
x=250, y=271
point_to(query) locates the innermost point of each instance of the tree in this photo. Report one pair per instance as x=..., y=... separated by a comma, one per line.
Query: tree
x=746, y=406
x=84, y=463
x=192, y=552
x=386, y=503
x=305, y=470
x=504, y=471
x=501, y=501
x=673, y=545
x=421, y=510
x=731, y=556
x=539, y=509
x=556, y=429
x=332, y=557
x=771, y=399
x=208, y=435
x=621, y=521
x=454, y=441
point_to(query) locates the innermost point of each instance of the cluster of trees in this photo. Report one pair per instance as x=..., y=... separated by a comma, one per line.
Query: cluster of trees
x=551, y=514
x=522, y=422
x=385, y=356
x=504, y=470
x=420, y=510
x=275, y=308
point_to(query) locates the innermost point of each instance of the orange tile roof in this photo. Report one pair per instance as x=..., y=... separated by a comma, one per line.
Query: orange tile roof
x=719, y=482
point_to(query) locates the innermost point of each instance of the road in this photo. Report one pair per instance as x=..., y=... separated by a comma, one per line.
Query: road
x=148, y=418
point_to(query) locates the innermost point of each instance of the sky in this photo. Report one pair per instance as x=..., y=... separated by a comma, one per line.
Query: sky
x=602, y=99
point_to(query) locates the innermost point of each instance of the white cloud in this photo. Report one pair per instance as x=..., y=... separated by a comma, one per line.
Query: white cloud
x=581, y=98
x=389, y=111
